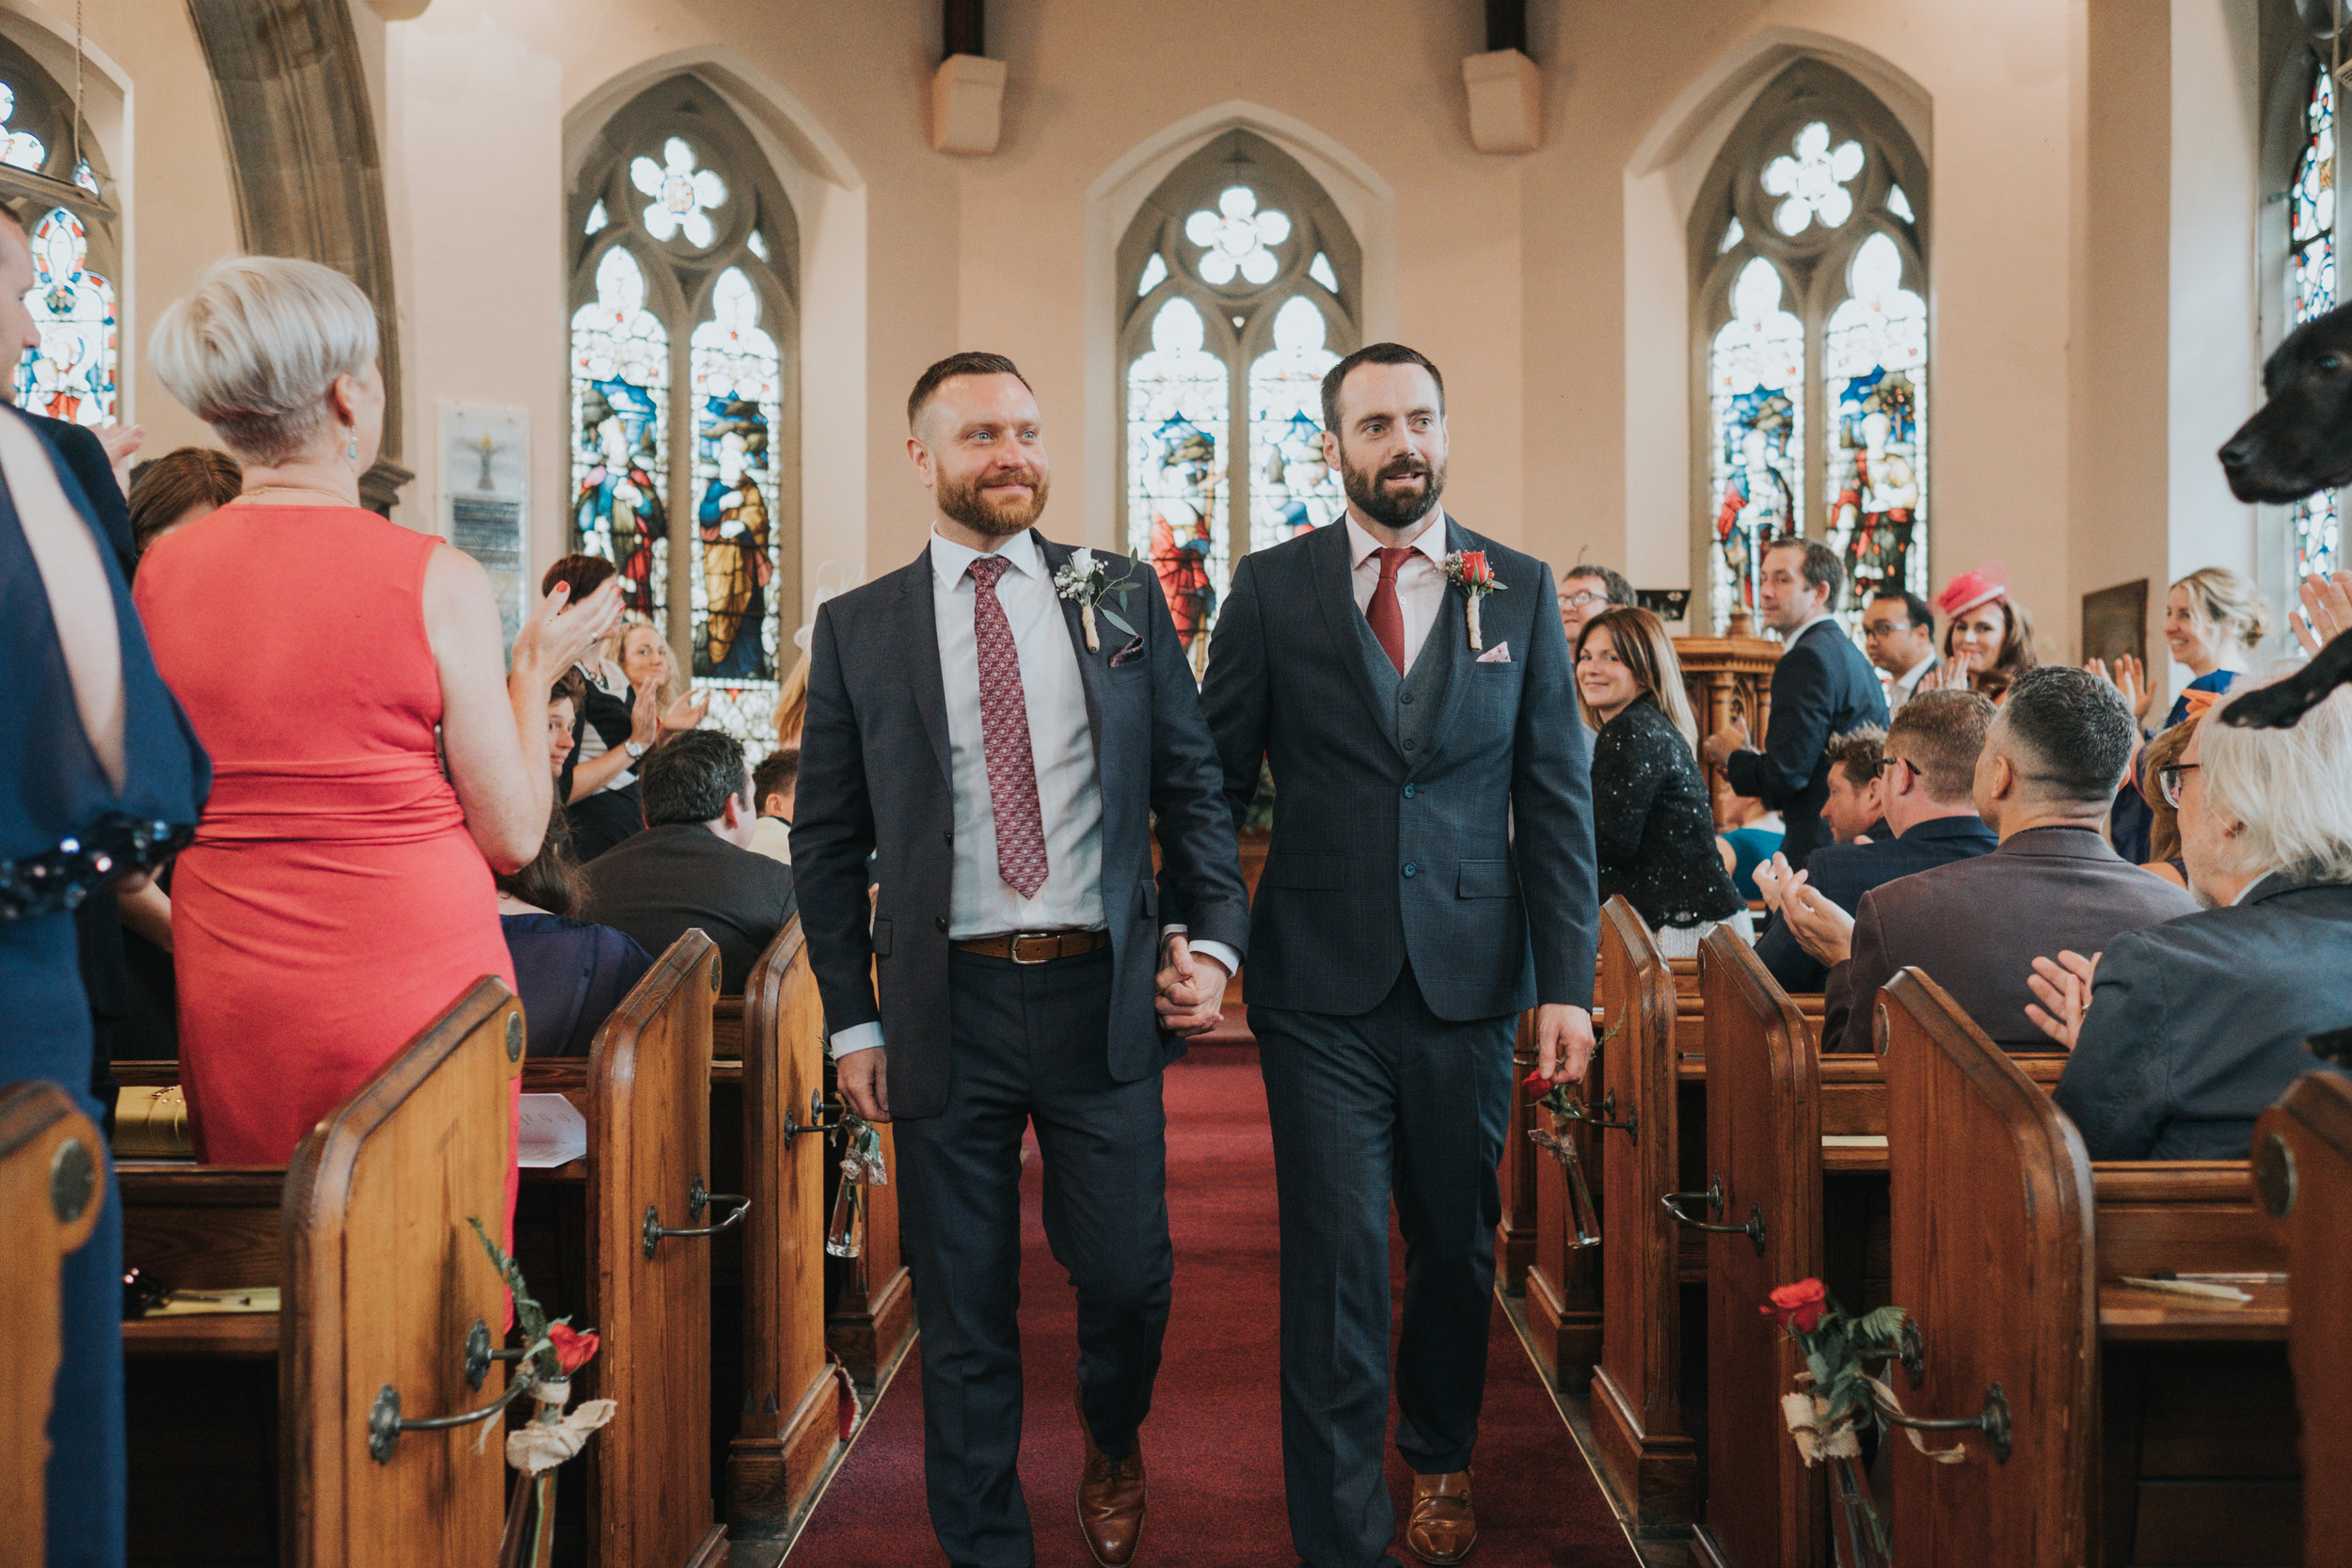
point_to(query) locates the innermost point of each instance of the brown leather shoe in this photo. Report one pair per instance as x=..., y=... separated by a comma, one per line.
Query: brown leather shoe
x=1444, y=1529
x=1110, y=1501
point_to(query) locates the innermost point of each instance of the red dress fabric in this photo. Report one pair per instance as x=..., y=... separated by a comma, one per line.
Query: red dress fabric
x=333, y=904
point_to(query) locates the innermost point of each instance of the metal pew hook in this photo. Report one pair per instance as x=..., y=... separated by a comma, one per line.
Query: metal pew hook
x=1713, y=1198
x=816, y=1123
x=386, y=1424
x=1993, y=1423
x=1631, y=1126
x=696, y=1201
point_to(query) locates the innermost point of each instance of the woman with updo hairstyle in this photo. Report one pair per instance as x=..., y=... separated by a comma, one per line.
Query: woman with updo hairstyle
x=1988, y=637
x=338, y=896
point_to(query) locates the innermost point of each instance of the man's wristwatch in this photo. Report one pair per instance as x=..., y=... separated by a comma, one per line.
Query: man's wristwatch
x=633, y=750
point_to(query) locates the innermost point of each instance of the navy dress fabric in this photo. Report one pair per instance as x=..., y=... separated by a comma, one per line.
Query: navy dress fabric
x=570, y=977
x=52, y=792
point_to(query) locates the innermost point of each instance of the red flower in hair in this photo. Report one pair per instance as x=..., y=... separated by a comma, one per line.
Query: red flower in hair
x=572, y=1351
x=1797, y=1306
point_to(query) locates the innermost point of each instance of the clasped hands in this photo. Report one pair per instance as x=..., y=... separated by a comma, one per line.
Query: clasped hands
x=1191, y=987
x=1821, y=927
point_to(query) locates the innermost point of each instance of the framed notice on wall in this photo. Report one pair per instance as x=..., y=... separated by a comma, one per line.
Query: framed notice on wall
x=2114, y=621
x=485, y=467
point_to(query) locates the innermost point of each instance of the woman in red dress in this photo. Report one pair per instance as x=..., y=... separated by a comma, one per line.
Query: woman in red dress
x=338, y=897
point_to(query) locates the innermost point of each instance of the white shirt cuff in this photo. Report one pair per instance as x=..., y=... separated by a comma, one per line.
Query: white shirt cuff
x=1217, y=950
x=858, y=1037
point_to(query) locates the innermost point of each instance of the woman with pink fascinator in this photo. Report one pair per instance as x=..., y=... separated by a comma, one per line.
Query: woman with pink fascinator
x=1988, y=637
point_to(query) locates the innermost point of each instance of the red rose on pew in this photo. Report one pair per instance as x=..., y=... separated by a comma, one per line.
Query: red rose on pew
x=1535, y=1082
x=574, y=1351
x=1797, y=1306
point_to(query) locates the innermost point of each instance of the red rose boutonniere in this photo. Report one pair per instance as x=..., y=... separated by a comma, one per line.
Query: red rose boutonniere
x=1468, y=571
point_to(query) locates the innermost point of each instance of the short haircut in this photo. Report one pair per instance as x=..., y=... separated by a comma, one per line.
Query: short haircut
x=176, y=484
x=778, y=773
x=1619, y=590
x=253, y=350
x=585, y=573
x=1915, y=608
x=1941, y=734
x=1821, y=568
x=1649, y=656
x=1859, y=751
x=1373, y=353
x=690, y=777
x=927, y=384
x=2075, y=732
x=2291, y=788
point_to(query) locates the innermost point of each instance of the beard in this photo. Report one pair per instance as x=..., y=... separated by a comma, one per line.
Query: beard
x=997, y=519
x=1368, y=492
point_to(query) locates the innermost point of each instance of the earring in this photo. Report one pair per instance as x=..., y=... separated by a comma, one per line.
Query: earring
x=351, y=451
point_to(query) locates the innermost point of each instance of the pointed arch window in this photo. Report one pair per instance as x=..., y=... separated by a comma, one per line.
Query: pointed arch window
x=63, y=198
x=2311, y=286
x=684, y=379
x=1809, y=293
x=1239, y=290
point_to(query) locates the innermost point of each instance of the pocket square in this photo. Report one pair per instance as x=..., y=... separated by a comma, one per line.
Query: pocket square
x=1128, y=655
x=1499, y=654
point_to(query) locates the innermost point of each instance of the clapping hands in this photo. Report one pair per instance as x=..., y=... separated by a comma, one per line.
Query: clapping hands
x=2063, y=984
x=559, y=634
x=1191, y=987
x=2131, y=679
x=1821, y=927
x=2325, y=611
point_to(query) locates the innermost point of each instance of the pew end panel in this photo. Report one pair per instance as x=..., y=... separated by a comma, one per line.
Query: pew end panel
x=1647, y=1454
x=382, y=1280
x=791, y=1418
x=651, y=1217
x=1764, y=1506
x=53, y=1176
x=1991, y=1203
x=2302, y=1169
x=1515, y=1233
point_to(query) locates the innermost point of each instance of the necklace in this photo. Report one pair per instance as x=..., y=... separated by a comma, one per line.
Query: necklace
x=250, y=491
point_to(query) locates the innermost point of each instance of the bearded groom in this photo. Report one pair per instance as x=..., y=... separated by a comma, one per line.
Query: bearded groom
x=1431, y=876
x=998, y=722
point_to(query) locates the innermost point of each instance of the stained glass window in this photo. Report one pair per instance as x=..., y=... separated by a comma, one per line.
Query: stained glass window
x=621, y=432
x=18, y=146
x=1756, y=370
x=597, y=219
x=2312, y=292
x=1811, y=180
x=1154, y=273
x=1874, y=356
x=1178, y=402
x=70, y=376
x=682, y=194
x=1292, y=491
x=1237, y=237
x=738, y=392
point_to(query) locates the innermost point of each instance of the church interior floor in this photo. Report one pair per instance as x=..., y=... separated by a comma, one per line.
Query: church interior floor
x=1212, y=1443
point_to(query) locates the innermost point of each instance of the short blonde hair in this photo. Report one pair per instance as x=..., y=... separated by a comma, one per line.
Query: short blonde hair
x=253, y=350
x=2229, y=601
x=2291, y=788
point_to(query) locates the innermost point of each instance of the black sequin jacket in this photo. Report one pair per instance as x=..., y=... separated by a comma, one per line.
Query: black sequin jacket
x=1652, y=826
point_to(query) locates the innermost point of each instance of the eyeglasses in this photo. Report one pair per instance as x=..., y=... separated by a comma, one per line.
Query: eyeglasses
x=2168, y=781
x=1581, y=597
x=1884, y=629
x=1885, y=763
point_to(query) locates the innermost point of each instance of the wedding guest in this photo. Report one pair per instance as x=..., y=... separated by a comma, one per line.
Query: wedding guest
x=1821, y=685
x=2181, y=1033
x=1586, y=588
x=616, y=724
x=2051, y=761
x=693, y=866
x=570, y=974
x=2323, y=612
x=1988, y=637
x=773, y=784
x=1752, y=840
x=1652, y=824
x=645, y=659
x=178, y=488
x=792, y=701
x=1855, y=809
x=1898, y=637
x=2164, y=858
x=376, y=764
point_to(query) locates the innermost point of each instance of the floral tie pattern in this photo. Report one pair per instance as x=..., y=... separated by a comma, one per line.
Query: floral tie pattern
x=1005, y=736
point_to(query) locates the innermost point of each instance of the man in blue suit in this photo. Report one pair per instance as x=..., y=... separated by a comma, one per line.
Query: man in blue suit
x=1929, y=771
x=1431, y=877
x=1822, y=687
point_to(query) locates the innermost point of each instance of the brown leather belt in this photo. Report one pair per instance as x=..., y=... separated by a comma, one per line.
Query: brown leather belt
x=1036, y=947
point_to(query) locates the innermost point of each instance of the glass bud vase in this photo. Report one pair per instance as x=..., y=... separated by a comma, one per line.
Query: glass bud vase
x=841, y=1236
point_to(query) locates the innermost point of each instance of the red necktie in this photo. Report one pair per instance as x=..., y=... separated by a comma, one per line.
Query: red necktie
x=1386, y=615
x=1005, y=736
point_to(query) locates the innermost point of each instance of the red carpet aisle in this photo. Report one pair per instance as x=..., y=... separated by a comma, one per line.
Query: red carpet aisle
x=1214, y=1444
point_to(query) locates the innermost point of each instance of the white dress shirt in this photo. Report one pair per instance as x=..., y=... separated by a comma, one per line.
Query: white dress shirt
x=1420, y=580
x=1906, y=686
x=1069, y=788
x=773, y=837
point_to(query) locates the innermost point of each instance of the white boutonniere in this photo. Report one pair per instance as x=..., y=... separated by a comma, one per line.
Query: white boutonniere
x=1468, y=571
x=1083, y=581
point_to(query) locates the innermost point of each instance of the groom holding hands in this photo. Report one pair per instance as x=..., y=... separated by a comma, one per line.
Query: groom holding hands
x=998, y=724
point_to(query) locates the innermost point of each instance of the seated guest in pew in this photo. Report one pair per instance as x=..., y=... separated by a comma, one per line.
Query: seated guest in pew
x=1929, y=771
x=693, y=867
x=773, y=784
x=1855, y=810
x=2164, y=829
x=2046, y=778
x=377, y=763
x=1752, y=840
x=1652, y=826
x=1898, y=639
x=178, y=488
x=2180, y=1034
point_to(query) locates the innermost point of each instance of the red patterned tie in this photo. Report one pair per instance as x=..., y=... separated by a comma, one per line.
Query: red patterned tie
x=1386, y=615
x=1005, y=736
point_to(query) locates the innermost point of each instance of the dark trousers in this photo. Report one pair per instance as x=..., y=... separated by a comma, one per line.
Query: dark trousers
x=1031, y=1045
x=1393, y=1103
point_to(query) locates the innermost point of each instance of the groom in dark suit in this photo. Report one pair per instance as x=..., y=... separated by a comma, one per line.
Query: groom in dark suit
x=998, y=724
x=1431, y=877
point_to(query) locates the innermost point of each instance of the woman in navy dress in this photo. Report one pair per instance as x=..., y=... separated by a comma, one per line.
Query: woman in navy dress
x=101, y=778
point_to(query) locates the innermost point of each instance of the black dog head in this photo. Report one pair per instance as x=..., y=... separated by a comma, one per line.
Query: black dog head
x=2302, y=439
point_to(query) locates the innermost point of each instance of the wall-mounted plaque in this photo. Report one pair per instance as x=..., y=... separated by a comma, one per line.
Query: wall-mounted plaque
x=485, y=468
x=2114, y=621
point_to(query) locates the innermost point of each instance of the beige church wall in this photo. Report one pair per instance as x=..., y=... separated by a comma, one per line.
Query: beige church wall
x=148, y=103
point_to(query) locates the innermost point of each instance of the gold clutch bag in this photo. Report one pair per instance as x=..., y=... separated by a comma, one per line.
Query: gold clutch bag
x=152, y=1123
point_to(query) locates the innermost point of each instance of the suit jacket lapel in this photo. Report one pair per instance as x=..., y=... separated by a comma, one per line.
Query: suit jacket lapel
x=1453, y=624
x=918, y=633
x=1335, y=595
x=1089, y=665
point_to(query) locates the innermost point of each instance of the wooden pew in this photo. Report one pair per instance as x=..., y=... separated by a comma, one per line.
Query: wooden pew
x=2302, y=1159
x=52, y=1172
x=791, y=1419
x=2094, y=1435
